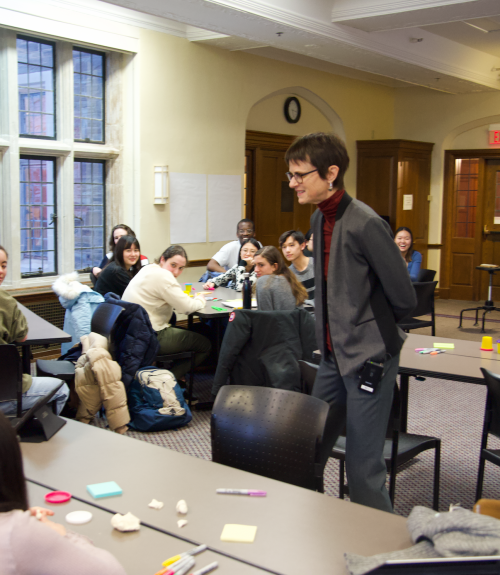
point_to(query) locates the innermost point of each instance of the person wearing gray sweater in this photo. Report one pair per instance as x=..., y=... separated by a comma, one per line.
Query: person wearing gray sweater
x=277, y=287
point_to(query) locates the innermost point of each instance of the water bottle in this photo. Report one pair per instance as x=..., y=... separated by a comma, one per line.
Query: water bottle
x=247, y=292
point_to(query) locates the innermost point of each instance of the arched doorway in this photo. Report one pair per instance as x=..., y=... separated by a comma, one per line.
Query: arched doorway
x=269, y=201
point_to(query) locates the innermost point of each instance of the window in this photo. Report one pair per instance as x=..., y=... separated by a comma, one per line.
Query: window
x=38, y=216
x=89, y=213
x=61, y=169
x=35, y=77
x=88, y=74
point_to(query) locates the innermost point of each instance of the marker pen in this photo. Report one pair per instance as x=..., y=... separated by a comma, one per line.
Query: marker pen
x=178, y=565
x=251, y=492
x=186, y=568
x=206, y=569
x=176, y=558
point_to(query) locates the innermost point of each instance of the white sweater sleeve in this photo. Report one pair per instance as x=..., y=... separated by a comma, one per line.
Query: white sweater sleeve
x=181, y=302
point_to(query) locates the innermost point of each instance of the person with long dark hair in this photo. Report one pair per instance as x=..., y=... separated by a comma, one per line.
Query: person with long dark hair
x=413, y=259
x=30, y=543
x=157, y=290
x=236, y=274
x=126, y=263
x=277, y=287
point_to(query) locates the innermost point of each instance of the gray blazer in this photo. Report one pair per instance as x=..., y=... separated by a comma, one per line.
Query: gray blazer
x=368, y=289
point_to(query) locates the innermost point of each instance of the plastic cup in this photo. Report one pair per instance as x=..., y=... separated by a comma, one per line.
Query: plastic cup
x=487, y=343
x=190, y=286
x=498, y=345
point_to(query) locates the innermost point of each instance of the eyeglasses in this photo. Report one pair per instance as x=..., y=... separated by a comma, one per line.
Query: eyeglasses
x=298, y=177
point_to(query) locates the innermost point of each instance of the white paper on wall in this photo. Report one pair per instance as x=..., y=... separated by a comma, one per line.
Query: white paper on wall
x=188, y=208
x=224, y=207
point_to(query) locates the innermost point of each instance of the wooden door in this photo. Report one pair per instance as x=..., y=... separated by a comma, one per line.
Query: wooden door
x=490, y=253
x=271, y=203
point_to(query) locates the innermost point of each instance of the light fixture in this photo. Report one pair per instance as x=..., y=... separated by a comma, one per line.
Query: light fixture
x=161, y=184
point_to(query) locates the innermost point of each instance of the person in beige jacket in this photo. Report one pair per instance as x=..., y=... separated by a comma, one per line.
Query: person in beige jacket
x=98, y=382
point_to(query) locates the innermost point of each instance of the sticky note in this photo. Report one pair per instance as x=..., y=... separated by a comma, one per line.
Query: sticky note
x=445, y=345
x=107, y=489
x=238, y=533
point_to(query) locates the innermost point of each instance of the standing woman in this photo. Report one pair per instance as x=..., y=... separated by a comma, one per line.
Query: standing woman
x=126, y=263
x=32, y=546
x=277, y=287
x=157, y=290
x=236, y=274
x=413, y=259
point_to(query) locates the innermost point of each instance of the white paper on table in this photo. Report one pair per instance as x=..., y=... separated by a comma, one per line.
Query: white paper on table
x=224, y=207
x=188, y=208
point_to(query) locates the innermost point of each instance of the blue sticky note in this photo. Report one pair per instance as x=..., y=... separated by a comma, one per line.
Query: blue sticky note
x=107, y=489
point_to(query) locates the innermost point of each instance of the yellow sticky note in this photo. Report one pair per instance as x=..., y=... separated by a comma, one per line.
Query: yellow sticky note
x=445, y=345
x=238, y=533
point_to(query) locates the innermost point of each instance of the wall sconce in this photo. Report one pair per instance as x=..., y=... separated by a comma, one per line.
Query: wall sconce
x=161, y=185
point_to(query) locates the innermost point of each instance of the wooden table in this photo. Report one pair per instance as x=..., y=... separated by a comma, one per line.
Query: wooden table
x=140, y=552
x=40, y=332
x=299, y=531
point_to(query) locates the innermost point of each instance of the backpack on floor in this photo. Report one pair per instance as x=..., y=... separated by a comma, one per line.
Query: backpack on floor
x=156, y=402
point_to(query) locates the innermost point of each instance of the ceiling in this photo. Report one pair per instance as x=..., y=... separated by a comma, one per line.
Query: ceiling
x=451, y=46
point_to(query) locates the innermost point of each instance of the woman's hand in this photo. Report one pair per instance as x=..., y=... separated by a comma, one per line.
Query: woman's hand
x=96, y=271
x=249, y=265
x=40, y=512
x=208, y=285
x=201, y=296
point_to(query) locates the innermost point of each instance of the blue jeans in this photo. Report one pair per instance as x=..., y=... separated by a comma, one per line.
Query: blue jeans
x=40, y=387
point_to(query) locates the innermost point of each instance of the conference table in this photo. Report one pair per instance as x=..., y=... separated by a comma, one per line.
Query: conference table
x=40, y=332
x=298, y=531
x=139, y=552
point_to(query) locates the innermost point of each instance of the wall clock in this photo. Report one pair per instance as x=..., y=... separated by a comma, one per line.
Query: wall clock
x=292, y=110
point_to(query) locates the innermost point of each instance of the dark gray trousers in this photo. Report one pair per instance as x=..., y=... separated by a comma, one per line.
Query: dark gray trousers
x=365, y=416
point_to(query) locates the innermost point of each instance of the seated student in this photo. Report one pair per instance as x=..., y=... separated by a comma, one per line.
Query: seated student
x=157, y=290
x=227, y=256
x=14, y=327
x=116, y=233
x=293, y=243
x=277, y=287
x=33, y=546
x=125, y=264
x=237, y=273
x=413, y=259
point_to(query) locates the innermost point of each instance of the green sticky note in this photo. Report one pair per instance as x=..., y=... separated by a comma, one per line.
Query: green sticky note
x=445, y=345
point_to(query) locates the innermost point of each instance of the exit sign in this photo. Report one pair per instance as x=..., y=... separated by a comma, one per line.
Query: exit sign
x=495, y=137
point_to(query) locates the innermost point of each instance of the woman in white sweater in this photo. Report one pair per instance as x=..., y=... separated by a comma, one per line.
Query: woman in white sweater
x=157, y=290
x=31, y=546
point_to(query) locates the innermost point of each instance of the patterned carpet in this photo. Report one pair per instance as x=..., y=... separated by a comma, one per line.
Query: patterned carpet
x=448, y=410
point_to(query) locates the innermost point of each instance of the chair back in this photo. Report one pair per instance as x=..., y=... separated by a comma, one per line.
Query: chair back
x=425, y=299
x=104, y=319
x=492, y=419
x=308, y=372
x=271, y=432
x=12, y=376
x=426, y=275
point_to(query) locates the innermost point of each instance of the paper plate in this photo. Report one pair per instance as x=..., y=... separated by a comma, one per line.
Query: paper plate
x=78, y=517
x=57, y=497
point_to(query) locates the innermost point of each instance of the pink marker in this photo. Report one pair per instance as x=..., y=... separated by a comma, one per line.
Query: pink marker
x=251, y=492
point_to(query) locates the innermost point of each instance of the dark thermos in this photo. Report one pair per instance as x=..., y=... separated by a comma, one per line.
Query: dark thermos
x=247, y=292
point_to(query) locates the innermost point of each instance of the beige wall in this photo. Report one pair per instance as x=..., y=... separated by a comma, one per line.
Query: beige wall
x=450, y=122
x=196, y=103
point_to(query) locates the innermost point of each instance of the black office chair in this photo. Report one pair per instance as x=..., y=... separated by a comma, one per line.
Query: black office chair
x=11, y=387
x=271, y=432
x=426, y=275
x=491, y=425
x=425, y=306
x=399, y=447
x=103, y=321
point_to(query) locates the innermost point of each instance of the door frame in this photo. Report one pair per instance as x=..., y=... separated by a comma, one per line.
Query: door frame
x=447, y=222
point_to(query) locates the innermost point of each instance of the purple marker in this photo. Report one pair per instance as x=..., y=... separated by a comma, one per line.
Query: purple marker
x=251, y=492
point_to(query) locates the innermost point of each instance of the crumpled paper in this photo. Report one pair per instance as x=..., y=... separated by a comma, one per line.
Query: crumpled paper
x=182, y=522
x=127, y=522
x=181, y=507
x=155, y=504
